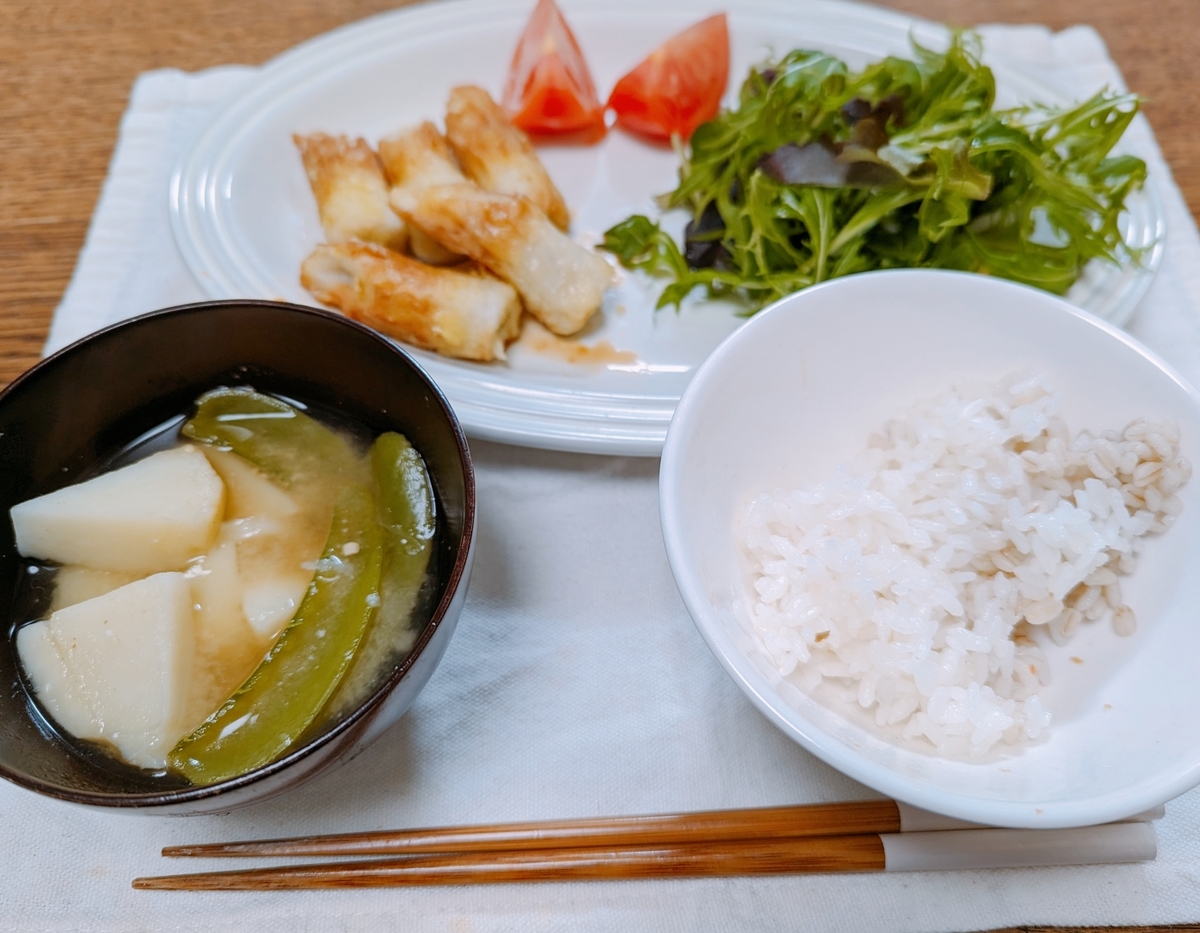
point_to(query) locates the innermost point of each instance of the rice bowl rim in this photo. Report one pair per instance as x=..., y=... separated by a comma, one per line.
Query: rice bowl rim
x=677, y=459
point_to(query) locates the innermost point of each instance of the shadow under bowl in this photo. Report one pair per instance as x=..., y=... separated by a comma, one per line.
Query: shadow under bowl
x=74, y=411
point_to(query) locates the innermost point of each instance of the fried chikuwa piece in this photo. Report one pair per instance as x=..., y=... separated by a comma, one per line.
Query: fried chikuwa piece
x=462, y=312
x=419, y=157
x=351, y=191
x=560, y=282
x=416, y=159
x=496, y=155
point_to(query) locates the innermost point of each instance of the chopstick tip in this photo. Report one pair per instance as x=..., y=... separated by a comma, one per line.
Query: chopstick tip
x=150, y=884
x=181, y=851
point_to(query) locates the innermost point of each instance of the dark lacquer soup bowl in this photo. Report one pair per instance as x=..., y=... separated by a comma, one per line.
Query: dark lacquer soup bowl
x=77, y=412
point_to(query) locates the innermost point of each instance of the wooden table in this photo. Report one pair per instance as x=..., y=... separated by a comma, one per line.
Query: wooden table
x=66, y=71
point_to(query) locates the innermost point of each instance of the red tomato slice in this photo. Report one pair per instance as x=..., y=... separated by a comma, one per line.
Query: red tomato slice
x=549, y=88
x=679, y=85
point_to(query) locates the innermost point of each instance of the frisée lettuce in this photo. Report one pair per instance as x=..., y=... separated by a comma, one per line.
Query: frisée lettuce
x=822, y=172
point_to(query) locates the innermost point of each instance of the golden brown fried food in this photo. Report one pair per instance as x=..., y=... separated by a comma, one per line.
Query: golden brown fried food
x=416, y=159
x=419, y=158
x=560, y=282
x=496, y=155
x=352, y=194
x=462, y=312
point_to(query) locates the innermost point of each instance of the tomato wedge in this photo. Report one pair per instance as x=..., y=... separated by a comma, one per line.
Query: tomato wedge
x=549, y=88
x=679, y=85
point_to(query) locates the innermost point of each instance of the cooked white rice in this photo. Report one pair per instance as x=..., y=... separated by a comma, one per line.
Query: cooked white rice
x=910, y=580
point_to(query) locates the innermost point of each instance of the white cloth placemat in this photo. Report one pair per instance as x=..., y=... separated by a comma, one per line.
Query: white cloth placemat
x=575, y=685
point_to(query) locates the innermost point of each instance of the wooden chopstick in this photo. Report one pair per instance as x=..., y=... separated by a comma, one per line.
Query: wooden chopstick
x=873, y=852
x=713, y=826
x=735, y=857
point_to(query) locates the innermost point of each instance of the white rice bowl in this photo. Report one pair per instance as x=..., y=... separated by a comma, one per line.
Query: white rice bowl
x=799, y=389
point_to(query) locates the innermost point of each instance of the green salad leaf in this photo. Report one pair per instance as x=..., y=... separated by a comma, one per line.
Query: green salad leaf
x=822, y=172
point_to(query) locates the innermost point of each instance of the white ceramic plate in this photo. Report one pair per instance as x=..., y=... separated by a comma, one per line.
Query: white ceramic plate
x=244, y=216
x=801, y=387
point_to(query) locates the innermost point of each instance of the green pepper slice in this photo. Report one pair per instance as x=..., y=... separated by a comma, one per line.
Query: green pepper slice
x=407, y=515
x=293, y=449
x=294, y=682
x=406, y=509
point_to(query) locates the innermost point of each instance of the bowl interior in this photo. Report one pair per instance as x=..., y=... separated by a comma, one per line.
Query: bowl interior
x=801, y=387
x=82, y=406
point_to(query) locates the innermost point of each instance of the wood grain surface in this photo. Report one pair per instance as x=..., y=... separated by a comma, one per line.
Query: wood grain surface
x=66, y=71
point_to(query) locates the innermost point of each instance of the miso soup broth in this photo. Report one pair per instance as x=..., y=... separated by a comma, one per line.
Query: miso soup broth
x=307, y=558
